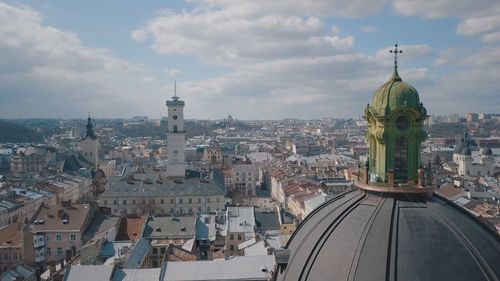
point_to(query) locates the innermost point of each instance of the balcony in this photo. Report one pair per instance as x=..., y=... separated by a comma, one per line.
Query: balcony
x=38, y=241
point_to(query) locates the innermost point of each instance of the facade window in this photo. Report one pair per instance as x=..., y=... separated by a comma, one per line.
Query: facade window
x=6, y=256
x=58, y=237
x=162, y=201
x=124, y=202
x=155, y=251
x=153, y=201
x=401, y=160
x=115, y=202
x=231, y=237
x=199, y=209
x=171, y=201
x=199, y=200
x=162, y=250
x=105, y=202
x=133, y=201
x=217, y=199
x=231, y=247
x=47, y=237
x=208, y=200
x=239, y=237
x=59, y=251
x=14, y=256
x=49, y=252
x=72, y=237
x=208, y=209
x=180, y=200
x=190, y=200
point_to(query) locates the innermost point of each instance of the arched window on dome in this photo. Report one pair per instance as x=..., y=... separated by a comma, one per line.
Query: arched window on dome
x=401, y=160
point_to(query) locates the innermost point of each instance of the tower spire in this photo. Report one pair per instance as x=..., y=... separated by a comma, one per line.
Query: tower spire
x=396, y=51
x=175, y=97
x=395, y=75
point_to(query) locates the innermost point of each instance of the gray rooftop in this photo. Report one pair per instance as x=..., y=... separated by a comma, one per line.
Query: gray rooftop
x=88, y=272
x=359, y=236
x=267, y=218
x=187, y=187
x=237, y=268
x=144, y=274
x=170, y=227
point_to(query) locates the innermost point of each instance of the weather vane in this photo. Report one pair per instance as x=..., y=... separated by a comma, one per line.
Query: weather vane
x=396, y=51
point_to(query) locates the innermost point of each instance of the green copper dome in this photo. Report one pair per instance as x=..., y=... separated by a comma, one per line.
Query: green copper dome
x=395, y=94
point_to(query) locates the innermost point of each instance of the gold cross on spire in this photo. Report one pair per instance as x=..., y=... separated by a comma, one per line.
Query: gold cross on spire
x=396, y=51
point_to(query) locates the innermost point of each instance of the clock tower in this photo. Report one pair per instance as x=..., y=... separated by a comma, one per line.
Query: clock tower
x=176, y=137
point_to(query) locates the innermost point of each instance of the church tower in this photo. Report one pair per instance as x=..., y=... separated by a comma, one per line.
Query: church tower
x=176, y=137
x=395, y=131
x=89, y=145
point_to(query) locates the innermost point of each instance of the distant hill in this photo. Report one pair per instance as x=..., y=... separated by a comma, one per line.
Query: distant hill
x=17, y=133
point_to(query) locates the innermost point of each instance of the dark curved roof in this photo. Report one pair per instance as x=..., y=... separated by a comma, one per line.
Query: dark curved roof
x=466, y=151
x=486, y=150
x=360, y=236
x=459, y=147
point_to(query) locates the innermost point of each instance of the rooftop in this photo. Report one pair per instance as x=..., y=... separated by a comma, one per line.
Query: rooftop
x=10, y=236
x=267, y=218
x=59, y=218
x=131, y=228
x=360, y=235
x=170, y=227
x=137, y=274
x=237, y=268
x=241, y=219
x=86, y=272
x=187, y=187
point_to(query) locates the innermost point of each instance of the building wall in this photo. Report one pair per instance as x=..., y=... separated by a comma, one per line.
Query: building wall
x=33, y=163
x=64, y=244
x=243, y=179
x=90, y=150
x=162, y=204
x=9, y=256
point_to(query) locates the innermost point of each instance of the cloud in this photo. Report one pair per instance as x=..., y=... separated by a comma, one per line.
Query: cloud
x=487, y=27
x=48, y=72
x=323, y=8
x=338, y=85
x=173, y=72
x=225, y=36
x=369, y=29
x=479, y=18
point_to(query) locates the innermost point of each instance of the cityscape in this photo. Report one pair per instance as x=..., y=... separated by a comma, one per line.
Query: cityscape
x=391, y=179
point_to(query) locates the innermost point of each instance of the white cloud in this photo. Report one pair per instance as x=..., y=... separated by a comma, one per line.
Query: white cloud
x=338, y=8
x=480, y=18
x=173, y=72
x=224, y=36
x=369, y=29
x=47, y=72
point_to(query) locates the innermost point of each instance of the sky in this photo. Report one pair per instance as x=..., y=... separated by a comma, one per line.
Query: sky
x=255, y=59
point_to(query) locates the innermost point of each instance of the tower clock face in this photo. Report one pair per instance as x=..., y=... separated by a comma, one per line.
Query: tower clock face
x=175, y=117
x=402, y=122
